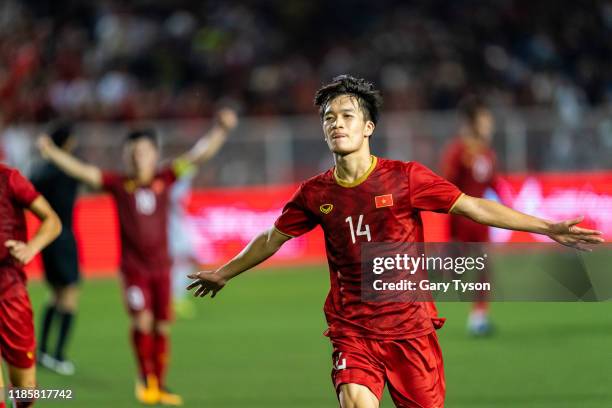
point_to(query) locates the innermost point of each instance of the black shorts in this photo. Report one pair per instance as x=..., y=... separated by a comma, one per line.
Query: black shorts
x=60, y=260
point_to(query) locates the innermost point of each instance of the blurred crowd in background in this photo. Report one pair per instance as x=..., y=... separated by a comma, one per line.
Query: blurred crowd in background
x=118, y=60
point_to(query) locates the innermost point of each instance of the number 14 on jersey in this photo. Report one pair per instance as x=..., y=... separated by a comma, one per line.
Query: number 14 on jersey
x=360, y=232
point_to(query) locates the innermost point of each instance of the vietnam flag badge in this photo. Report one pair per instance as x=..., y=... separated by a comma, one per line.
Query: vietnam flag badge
x=384, y=200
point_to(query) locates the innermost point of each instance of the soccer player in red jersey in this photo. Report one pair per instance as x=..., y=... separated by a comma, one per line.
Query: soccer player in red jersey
x=17, y=344
x=470, y=163
x=142, y=199
x=369, y=199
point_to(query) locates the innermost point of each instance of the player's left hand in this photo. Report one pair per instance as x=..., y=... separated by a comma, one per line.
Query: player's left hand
x=45, y=145
x=206, y=282
x=19, y=250
x=569, y=234
x=227, y=119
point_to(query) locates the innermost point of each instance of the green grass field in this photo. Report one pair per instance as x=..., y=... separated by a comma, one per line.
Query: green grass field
x=260, y=344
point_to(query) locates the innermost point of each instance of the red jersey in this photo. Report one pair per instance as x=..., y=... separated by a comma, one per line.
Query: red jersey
x=143, y=220
x=384, y=205
x=16, y=194
x=473, y=170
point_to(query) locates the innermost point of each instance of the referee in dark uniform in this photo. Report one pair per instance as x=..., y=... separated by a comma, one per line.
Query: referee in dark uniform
x=60, y=259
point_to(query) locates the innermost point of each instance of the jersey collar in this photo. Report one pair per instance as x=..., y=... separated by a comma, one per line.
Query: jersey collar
x=361, y=179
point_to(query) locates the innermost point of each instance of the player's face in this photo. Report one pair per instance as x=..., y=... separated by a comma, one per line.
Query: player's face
x=344, y=125
x=484, y=125
x=141, y=155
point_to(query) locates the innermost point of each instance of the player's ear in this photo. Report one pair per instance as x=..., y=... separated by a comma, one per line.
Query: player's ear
x=369, y=128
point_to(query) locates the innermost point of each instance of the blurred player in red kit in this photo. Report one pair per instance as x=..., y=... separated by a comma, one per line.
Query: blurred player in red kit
x=17, y=344
x=368, y=199
x=470, y=163
x=142, y=199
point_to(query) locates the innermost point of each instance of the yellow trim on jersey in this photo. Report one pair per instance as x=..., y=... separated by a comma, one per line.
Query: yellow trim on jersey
x=455, y=203
x=361, y=179
x=283, y=233
x=183, y=167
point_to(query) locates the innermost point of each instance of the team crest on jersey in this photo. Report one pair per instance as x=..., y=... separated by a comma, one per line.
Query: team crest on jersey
x=326, y=208
x=158, y=186
x=129, y=186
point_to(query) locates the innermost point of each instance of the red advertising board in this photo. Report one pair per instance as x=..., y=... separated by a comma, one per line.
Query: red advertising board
x=220, y=222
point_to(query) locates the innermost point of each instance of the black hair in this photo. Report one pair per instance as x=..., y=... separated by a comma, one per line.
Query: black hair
x=142, y=134
x=369, y=98
x=60, y=133
x=470, y=106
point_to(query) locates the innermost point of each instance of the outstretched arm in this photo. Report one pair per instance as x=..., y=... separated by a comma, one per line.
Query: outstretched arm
x=497, y=215
x=210, y=143
x=69, y=164
x=258, y=250
x=49, y=229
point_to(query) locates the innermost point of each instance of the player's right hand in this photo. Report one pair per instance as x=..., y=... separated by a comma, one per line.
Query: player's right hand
x=206, y=282
x=21, y=251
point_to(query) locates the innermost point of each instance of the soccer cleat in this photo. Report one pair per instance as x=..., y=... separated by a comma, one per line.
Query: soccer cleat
x=478, y=324
x=62, y=367
x=45, y=360
x=170, y=399
x=147, y=392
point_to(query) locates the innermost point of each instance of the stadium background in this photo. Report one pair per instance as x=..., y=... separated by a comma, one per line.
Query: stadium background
x=545, y=68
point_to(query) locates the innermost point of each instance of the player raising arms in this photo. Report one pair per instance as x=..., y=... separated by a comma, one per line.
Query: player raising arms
x=142, y=199
x=365, y=198
x=17, y=344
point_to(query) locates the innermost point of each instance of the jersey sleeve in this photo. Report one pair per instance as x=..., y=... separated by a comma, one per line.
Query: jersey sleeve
x=495, y=176
x=168, y=175
x=111, y=182
x=295, y=219
x=451, y=162
x=22, y=189
x=430, y=192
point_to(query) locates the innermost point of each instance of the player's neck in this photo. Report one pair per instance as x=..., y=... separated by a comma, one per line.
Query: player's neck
x=144, y=177
x=472, y=140
x=351, y=167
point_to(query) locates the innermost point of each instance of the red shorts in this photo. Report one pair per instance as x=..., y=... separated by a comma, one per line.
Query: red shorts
x=148, y=292
x=412, y=368
x=17, y=343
